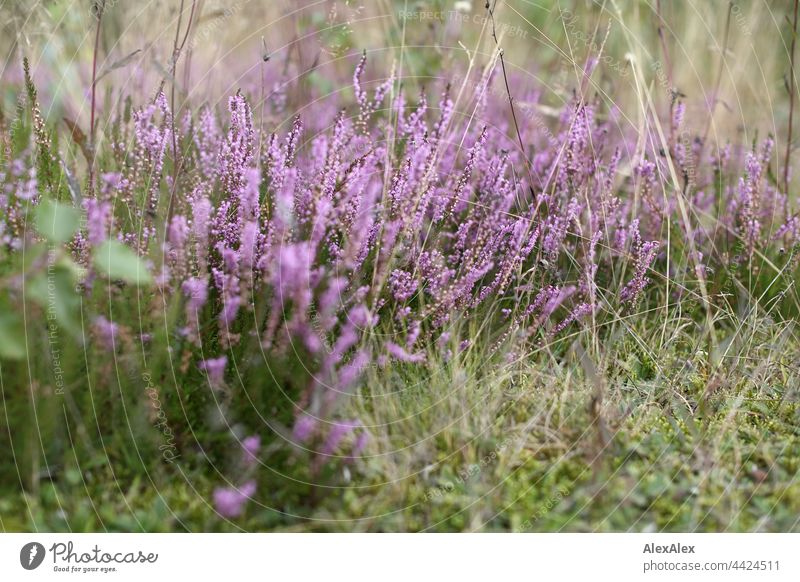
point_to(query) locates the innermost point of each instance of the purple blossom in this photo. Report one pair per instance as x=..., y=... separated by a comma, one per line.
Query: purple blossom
x=215, y=368
x=360, y=443
x=402, y=284
x=320, y=242
x=398, y=353
x=202, y=211
x=304, y=428
x=337, y=432
x=107, y=331
x=644, y=253
x=98, y=220
x=250, y=446
x=196, y=291
x=230, y=501
x=237, y=151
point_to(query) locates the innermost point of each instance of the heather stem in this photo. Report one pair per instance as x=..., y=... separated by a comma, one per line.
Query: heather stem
x=100, y=8
x=667, y=64
x=791, y=101
x=176, y=51
x=715, y=94
x=510, y=99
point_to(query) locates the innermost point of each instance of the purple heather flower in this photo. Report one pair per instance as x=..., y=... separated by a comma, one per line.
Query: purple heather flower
x=408, y=219
x=251, y=445
x=208, y=139
x=580, y=311
x=106, y=331
x=28, y=188
x=349, y=373
x=202, y=211
x=230, y=501
x=336, y=433
x=248, y=246
x=196, y=291
x=304, y=428
x=249, y=195
x=398, y=353
x=678, y=114
x=237, y=152
x=178, y=232
x=360, y=443
x=98, y=220
x=215, y=368
x=645, y=253
x=151, y=137
x=402, y=285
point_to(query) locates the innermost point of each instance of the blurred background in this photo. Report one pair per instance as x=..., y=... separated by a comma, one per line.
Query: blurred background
x=729, y=61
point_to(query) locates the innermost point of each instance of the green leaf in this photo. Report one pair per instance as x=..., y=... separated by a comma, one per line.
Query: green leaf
x=55, y=292
x=56, y=222
x=117, y=261
x=12, y=337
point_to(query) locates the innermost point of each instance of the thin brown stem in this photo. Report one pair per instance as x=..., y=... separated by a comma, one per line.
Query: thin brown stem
x=490, y=9
x=718, y=82
x=177, y=47
x=173, y=70
x=265, y=58
x=100, y=6
x=667, y=62
x=667, y=66
x=792, y=85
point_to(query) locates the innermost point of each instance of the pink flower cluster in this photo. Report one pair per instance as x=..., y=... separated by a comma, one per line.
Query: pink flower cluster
x=364, y=236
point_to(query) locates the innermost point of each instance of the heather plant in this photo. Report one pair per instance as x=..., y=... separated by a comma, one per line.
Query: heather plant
x=256, y=274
